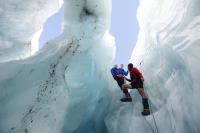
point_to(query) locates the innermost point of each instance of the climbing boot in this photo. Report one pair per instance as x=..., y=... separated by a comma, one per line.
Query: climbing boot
x=146, y=110
x=127, y=98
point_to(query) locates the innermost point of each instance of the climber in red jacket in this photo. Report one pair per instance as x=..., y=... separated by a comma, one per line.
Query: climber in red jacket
x=136, y=80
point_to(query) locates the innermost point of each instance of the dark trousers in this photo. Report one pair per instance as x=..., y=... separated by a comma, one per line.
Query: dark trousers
x=120, y=81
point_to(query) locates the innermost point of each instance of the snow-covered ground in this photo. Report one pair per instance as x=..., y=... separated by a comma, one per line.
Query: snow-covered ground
x=66, y=87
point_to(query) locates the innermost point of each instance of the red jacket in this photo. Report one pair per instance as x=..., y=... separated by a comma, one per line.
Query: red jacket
x=135, y=75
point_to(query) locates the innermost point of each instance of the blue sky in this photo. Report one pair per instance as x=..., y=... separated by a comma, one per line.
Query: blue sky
x=52, y=27
x=124, y=28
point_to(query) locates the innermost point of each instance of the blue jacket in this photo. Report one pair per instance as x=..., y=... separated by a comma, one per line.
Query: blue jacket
x=116, y=71
x=123, y=72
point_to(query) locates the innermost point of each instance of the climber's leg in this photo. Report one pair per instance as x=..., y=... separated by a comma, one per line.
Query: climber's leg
x=120, y=81
x=142, y=93
x=127, y=97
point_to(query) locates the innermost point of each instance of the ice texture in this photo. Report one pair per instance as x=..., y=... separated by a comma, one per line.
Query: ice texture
x=168, y=49
x=66, y=87
x=167, y=53
x=20, y=21
x=59, y=88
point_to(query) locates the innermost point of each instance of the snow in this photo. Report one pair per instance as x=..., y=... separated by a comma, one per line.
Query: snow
x=66, y=87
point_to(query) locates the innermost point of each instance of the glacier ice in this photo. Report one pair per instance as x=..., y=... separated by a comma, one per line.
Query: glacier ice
x=167, y=53
x=19, y=22
x=56, y=89
x=66, y=87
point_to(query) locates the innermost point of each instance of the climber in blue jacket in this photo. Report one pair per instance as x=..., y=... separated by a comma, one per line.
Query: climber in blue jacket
x=118, y=74
x=119, y=71
x=115, y=70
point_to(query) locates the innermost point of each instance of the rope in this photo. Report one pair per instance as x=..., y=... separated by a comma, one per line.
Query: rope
x=149, y=124
x=155, y=123
x=140, y=64
x=154, y=119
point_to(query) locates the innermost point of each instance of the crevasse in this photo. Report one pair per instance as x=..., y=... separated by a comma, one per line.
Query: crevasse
x=167, y=48
x=66, y=87
x=167, y=53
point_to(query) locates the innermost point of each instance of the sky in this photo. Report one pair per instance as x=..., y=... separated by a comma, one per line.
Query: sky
x=52, y=27
x=124, y=28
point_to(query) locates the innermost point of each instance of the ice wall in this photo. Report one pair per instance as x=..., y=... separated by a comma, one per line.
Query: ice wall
x=168, y=50
x=66, y=87
x=58, y=89
x=20, y=21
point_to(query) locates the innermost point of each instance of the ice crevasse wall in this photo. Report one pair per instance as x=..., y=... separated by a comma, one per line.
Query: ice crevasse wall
x=167, y=53
x=56, y=89
x=66, y=86
x=168, y=49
